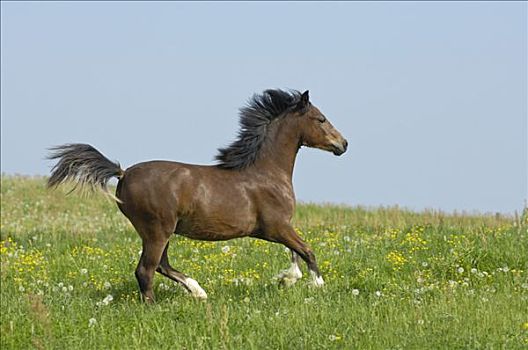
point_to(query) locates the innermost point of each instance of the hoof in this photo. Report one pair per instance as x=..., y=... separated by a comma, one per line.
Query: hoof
x=292, y=273
x=148, y=300
x=317, y=281
x=287, y=282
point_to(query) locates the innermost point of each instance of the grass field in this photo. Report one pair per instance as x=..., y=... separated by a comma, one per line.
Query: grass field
x=394, y=280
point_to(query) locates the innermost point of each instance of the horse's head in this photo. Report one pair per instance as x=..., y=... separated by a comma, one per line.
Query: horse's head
x=316, y=130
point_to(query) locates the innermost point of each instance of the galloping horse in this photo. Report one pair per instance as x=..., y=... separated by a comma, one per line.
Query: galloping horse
x=248, y=193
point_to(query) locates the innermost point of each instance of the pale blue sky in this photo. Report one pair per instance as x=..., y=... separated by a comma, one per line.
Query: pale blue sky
x=432, y=97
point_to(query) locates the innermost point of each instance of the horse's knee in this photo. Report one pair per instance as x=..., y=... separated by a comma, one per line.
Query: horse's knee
x=310, y=255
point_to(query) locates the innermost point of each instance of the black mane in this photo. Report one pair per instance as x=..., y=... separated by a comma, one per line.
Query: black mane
x=254, y=120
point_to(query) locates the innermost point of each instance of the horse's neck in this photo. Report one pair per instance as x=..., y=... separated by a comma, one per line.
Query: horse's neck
x=277, y=158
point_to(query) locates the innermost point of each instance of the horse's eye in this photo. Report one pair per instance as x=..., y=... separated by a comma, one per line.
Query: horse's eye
x=322, y=119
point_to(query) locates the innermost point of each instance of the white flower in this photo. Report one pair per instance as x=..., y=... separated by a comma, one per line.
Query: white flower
x=164, y=286
x=84, y=271
x=332, y=337
x=107, y=285
x=420, y=322
x=92, y=322
x=355, y=291
x=425, y=264
x=505, y=269
x=64, y=289
x=60, y=285
x=308, y=300
x=420, y=280
x=225, y=249
x=346, y=239
x=378, y=293
x=107, y=299
x=474, y=270
x=22, y=289
x=70, y=287
x=460, y=269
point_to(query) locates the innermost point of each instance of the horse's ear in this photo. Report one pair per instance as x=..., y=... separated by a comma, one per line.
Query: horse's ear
x=305, y=99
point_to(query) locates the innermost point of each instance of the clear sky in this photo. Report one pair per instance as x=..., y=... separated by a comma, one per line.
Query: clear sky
x=432, y=96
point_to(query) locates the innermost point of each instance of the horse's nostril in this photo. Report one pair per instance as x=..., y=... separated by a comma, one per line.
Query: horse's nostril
x=345, y=144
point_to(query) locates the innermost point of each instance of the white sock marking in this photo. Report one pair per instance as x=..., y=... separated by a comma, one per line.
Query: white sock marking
x=293, y=272
x=195, y=289
x=289, y=276
x=317, y=281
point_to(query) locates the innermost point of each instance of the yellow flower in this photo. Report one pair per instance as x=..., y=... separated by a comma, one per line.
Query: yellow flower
x=396, y=259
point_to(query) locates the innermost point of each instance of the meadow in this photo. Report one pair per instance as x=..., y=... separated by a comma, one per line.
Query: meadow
x=395, y=279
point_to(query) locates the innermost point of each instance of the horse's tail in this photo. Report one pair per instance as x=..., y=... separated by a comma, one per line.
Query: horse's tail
x=84, y=166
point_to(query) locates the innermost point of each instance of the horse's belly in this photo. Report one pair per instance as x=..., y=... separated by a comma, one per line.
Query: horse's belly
x=218, y=222
x=214, y=229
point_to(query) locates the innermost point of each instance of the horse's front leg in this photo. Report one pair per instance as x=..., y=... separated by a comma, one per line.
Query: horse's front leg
x=289, y=276
x=287, y=236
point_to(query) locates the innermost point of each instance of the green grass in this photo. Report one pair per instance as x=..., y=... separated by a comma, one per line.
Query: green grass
x=394, y=280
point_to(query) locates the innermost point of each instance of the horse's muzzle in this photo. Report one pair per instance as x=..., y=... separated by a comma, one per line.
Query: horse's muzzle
x=340, y=148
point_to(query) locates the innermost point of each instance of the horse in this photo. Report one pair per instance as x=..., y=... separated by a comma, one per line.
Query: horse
x=247, y=193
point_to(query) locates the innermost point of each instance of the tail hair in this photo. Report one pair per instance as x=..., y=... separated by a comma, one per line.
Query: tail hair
x=83, y=165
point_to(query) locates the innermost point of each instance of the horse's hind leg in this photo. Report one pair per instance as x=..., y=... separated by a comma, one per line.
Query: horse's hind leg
x=154, y=241
x=168, y=271
x=148, y=263
x=289, y=276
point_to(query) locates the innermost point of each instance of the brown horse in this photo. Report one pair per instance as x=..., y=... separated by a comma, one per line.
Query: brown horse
x=248, y=193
